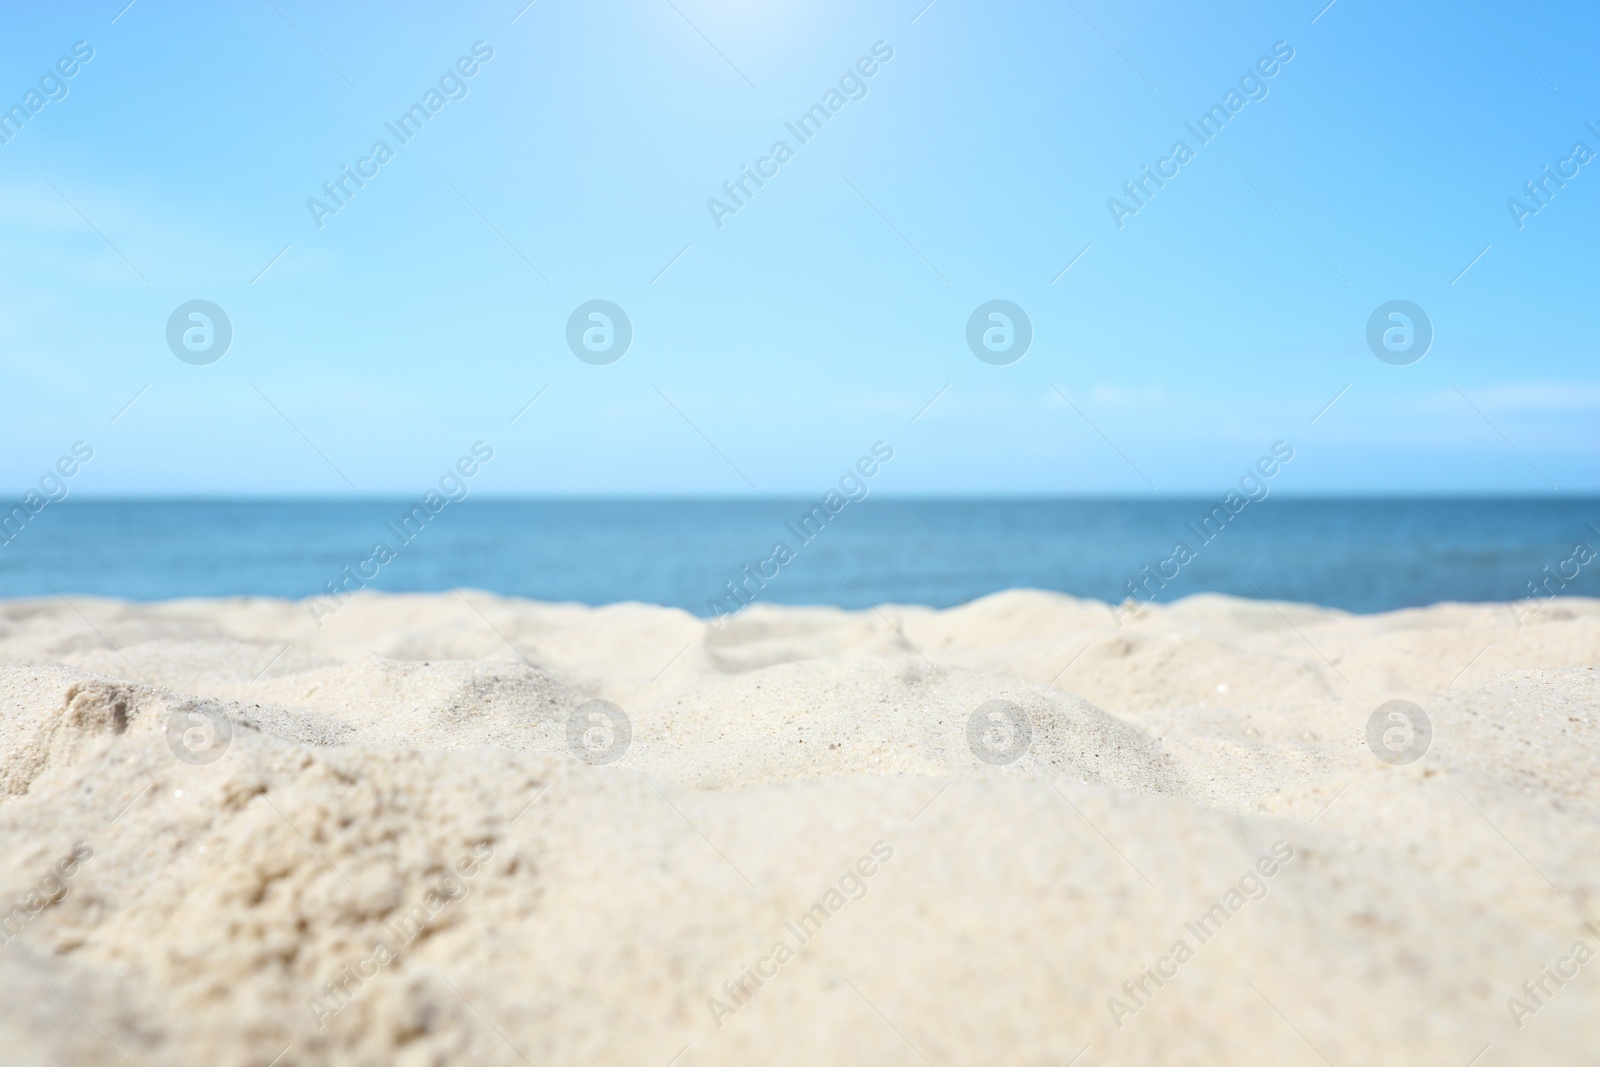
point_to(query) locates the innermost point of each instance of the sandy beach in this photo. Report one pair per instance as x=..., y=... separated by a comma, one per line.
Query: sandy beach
x=806, y=534
x=388, y=842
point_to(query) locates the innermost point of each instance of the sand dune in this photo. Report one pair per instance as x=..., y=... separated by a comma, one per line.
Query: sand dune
x=400, y=858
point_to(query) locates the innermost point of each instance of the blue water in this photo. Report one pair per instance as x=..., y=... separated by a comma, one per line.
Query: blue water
x=1362, y=555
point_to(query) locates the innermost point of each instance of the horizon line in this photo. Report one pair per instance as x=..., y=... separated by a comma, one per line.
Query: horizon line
x=1302, y=496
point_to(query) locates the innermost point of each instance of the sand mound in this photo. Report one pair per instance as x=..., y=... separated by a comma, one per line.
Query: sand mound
x=1011, y=832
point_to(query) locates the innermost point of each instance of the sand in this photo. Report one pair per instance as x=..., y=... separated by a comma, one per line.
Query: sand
x=398, y=857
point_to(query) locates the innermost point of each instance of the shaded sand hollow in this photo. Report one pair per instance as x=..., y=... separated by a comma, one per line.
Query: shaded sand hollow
x=399, y=859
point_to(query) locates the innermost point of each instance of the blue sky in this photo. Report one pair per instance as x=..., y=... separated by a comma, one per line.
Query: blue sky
x=829, y=311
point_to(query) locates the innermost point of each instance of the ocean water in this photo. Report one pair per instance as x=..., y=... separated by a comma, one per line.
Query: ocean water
x=1359, y=554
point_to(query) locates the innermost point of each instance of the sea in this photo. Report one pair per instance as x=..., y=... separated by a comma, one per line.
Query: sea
x=1359, y=554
